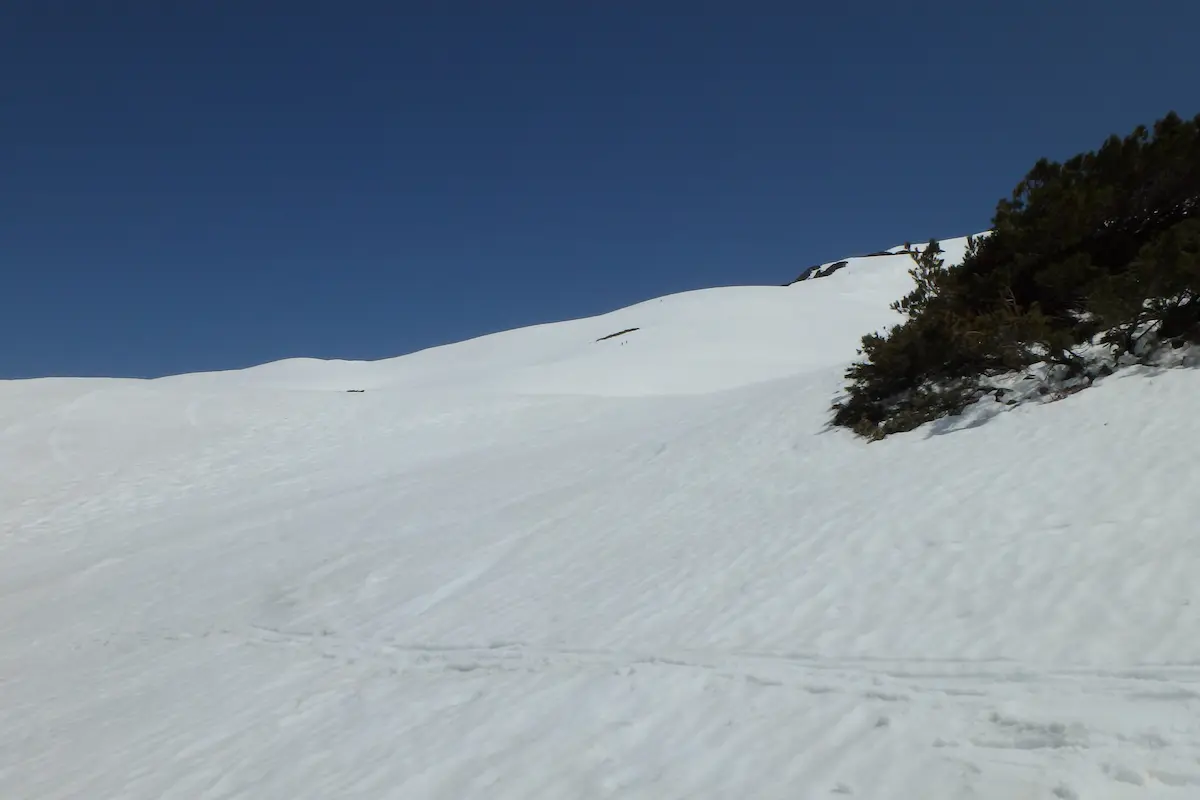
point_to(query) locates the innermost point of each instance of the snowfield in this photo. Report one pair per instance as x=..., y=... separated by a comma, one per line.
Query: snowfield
x=538, y=565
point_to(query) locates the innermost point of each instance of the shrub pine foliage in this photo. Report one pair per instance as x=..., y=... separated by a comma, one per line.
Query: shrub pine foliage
x=1103, y=247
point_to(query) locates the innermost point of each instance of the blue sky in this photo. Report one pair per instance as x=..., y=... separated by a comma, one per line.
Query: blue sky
x=195, y=186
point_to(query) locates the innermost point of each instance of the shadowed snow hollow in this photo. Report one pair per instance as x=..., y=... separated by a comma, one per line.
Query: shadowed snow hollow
x=539, y=565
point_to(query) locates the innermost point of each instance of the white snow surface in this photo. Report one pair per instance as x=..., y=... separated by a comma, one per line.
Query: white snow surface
x=535, y=565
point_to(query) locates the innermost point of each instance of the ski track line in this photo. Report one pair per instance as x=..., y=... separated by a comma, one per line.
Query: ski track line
x=994, y=721
x=1165, y=682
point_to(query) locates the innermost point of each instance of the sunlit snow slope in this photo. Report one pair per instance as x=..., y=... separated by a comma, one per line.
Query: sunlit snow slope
x=538, y=565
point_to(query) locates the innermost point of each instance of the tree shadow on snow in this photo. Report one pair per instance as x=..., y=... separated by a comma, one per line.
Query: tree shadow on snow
x=984, y=410
x=976, y=416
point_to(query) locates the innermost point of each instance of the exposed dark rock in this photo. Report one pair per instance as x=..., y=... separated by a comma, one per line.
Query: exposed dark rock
x=832, y=268
x=618, y=333
x=805, y=275
x=819, y=271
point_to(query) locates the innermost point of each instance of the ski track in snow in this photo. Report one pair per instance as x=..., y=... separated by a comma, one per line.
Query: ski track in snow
x=537, y=565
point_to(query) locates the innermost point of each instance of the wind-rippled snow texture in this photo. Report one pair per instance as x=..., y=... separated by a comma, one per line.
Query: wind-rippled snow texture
x=538, y=565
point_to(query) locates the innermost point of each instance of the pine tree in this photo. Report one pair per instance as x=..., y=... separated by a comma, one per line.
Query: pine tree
x=1107, y=242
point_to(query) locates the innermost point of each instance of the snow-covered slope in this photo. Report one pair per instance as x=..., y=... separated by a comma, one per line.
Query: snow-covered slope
x=538, y=565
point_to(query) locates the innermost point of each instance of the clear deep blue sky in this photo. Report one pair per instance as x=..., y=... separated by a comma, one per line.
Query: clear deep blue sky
x=194, y=186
